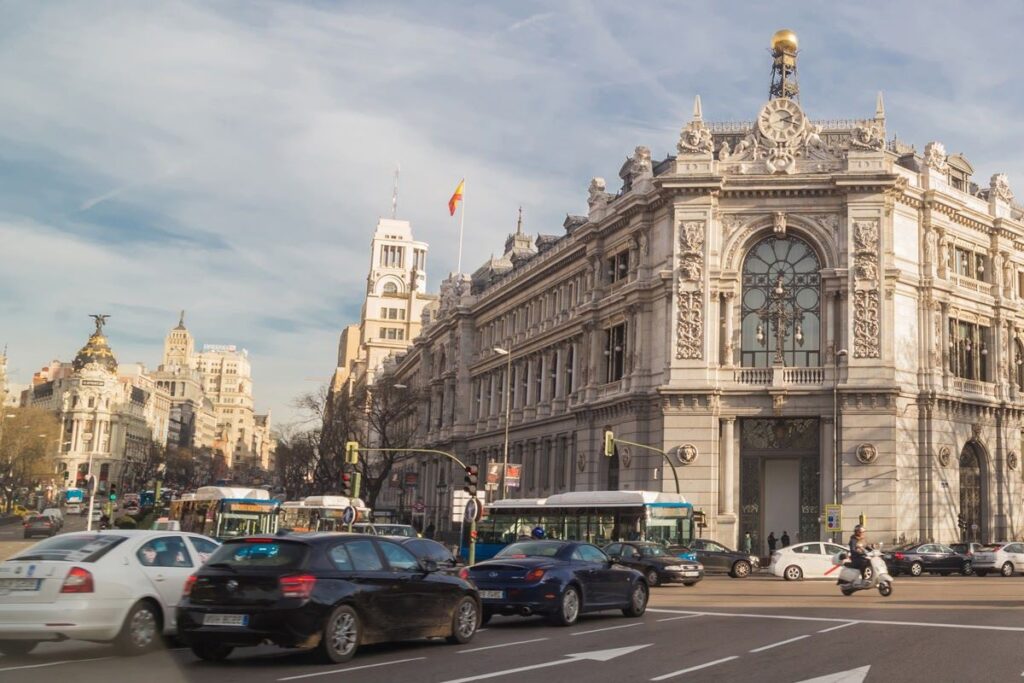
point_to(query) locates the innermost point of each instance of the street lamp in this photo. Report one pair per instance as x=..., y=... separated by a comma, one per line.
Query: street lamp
x=841, y=353
x=508, y=409
x=779, y=313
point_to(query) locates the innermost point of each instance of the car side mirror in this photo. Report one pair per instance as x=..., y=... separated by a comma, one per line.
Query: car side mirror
x=428, y=566
x=615, y=558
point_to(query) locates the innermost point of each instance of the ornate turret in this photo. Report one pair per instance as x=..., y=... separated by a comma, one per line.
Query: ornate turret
x=96, y=350
x=784, y=48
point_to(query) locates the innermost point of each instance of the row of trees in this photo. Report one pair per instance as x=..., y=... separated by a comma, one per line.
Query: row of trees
x=311, y=454
x=28, y=441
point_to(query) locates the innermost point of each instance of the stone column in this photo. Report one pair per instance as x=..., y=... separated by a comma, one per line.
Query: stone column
x=728, y=347
x=827, y=486
x=729, y=466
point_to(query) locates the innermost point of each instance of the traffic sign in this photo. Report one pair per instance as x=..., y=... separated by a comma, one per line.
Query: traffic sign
x=459, y=499
x=348, y=516
x=833, y=518
x=419, y=507
x=474, y=510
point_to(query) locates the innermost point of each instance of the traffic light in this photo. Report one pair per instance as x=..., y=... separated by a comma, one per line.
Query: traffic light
x=346, y=484
x=113, y=492
x=351, y=452
x=472, y=479
x=961, y=523
x=609, y=443
x=863, y=520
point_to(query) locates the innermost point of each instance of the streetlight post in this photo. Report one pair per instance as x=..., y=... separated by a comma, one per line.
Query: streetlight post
x=841, y=353
x=508, y=412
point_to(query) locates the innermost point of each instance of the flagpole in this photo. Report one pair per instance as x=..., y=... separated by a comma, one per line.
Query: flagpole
x=462, y=223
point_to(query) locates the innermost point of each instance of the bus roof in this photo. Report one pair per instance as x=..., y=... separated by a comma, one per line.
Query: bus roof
x=585, y=499
x=232, y=492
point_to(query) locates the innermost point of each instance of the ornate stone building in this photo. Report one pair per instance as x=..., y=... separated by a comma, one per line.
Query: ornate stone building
x=730, y=303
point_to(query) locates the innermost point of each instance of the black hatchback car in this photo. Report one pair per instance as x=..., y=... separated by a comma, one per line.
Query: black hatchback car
x=332, y=592
x=40, y=525
x=716, y=557
x=935, y=558
x=656, y=563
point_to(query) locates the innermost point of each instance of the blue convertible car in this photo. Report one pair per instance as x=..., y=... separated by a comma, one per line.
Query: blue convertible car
x=557, y=579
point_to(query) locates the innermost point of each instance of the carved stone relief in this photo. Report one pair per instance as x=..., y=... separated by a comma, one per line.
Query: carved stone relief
x=935, y=156
x=866, y=300
x=690, y=291
x=945, y=455
x=999, y=187
x=779, y=224
x=867, y=453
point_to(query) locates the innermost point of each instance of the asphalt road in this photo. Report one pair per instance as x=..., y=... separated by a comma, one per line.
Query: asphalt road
x=763, y=629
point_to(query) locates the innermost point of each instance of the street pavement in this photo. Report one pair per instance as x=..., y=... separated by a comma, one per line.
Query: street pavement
x=761, y=628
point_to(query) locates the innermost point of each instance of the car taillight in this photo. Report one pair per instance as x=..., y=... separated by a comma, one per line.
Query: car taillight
x=535, y=574
x=189, y=582
x=898, y=556
x=78, y=581
x=297, y=586
x=464, y=573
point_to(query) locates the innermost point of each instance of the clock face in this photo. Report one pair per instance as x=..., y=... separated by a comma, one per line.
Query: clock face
x=781, y=120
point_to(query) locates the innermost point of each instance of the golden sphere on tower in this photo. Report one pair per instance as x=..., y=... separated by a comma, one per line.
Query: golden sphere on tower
x=784, y=40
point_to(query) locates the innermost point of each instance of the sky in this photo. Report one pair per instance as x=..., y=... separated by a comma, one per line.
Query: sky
x=231, y=159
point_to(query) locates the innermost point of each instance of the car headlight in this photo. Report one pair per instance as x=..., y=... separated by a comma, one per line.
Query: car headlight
x=755, y=561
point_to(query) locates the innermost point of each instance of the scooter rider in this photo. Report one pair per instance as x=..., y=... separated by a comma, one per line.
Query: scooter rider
x=858, y=549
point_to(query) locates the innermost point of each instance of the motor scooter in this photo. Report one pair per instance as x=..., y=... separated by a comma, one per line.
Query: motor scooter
x=851, y=580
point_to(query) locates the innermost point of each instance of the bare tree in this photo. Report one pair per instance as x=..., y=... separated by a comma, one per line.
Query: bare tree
x=295, y=460
x=28, y=439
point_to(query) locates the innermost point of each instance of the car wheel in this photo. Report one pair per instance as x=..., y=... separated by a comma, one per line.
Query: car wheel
x=17, y=648
x=981, y=572
x=568, y=607
x=1006, y=569
x=652, y=577
x=141, y=630
x=637, y=600
x=916, y=569
x=342, y=634
x=793, y=573
x=465, y=620
x=740, y=570
x=211, y=652
x=966, y=570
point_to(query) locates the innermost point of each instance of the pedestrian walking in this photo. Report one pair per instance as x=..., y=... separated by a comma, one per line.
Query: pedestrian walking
x=747, y=543
x=771, y=542
x=429, y=533
x=785, y=538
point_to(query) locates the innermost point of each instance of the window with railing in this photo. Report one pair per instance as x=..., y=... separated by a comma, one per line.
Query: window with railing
x=969, y=263
x=615, y=352
x=968, y=350
x=618, y=267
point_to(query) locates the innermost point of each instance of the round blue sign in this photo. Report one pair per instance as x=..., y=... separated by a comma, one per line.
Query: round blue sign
x=349, y=515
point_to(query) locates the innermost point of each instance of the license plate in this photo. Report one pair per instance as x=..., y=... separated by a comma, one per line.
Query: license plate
x=691, y=573
x=19, y=584
x=492, y=595
x=226, y=620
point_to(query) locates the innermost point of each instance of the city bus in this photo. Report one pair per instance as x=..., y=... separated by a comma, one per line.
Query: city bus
x=226, y=511
x=320, y=513
x=598, y=517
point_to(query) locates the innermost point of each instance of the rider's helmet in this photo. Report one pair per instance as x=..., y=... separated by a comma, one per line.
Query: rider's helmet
x=538, y=532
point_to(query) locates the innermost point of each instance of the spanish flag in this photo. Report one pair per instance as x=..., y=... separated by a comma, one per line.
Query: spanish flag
x=453, y=203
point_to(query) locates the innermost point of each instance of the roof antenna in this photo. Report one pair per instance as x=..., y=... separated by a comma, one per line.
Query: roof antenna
x=394, y=192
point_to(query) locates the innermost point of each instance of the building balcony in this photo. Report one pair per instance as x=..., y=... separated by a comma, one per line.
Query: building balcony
x=779, y=376
x=971, y=284
x=973, y=386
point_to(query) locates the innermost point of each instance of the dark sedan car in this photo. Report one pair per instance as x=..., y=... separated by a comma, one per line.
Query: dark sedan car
x=427, y=549
x=917, y=558
x=716, y=557
x=40, y=525
x=657, y=564
x=557, y=579
x=333, y=592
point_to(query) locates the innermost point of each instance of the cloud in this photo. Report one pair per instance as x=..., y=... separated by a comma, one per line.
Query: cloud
x=232, y=159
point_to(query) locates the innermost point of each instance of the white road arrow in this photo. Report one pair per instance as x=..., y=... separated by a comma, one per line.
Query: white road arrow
x=596, y=655
x=852, y=676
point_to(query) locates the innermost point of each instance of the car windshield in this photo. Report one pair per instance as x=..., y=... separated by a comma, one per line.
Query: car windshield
x=530, y=549
x=396, y=530
x=653, y=551
x=68, y=548
x=259, y=554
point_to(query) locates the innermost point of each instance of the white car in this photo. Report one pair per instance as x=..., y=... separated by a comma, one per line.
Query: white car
x=108, y=586
x=805, y=561
x=1005, y=558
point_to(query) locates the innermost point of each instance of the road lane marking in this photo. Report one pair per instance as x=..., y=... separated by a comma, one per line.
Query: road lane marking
x=687, y=616
x=695, y=668
x=836, y=628
x=350, y=668
x=63, y=661
x=610, y=628
x=875, y=622
x=595, y=655
x=491, y=647
x=781, y=642
x=851, y=676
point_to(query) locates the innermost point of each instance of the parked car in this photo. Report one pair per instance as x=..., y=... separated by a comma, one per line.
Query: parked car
x=557, y=579
x=655, y=562
x=40, y=525
x=331, y=591
x=968, y=549
x=165, y=524
x=56, y=515
x=805, y=561
x=935, y=558
x=383, y=529
x=717, y=557
x=22, y=511
x=1005, y=558
x=112, y=586
x=427, y=549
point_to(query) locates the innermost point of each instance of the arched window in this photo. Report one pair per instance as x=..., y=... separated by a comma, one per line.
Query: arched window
x=781, y=306
x=390, y=288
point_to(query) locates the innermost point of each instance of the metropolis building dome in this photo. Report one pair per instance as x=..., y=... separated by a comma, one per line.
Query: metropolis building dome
x=96, y=350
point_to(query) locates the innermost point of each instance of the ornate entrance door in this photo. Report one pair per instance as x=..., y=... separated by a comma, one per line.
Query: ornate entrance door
x=970, y=493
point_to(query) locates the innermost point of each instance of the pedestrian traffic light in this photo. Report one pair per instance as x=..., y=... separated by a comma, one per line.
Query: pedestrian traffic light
x=351, y=452
x=113, y=492
x=609, y=443
x=346, y=484
x=472, y=479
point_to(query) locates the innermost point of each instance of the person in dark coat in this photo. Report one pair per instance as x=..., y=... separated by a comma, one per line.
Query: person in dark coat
x=785, y=538
x=429, y=533
x=771, y=542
